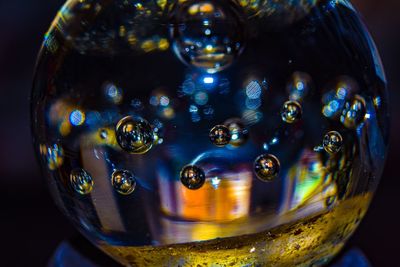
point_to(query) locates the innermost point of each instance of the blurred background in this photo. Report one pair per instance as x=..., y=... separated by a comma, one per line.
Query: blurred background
x=31, y=225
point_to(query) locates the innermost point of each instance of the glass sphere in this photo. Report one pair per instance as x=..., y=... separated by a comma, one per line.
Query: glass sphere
x=211, y=132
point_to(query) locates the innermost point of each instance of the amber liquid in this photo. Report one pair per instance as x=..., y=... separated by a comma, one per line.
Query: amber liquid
x=311, y=241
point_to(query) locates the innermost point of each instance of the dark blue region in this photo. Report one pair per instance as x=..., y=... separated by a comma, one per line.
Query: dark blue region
x=66, y=255
x=353, y=258
x=80, y=252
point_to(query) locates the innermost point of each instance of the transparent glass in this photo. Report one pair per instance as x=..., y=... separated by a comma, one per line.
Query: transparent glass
x=211, y=132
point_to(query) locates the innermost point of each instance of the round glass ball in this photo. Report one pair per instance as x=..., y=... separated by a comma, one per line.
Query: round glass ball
x=254, y=131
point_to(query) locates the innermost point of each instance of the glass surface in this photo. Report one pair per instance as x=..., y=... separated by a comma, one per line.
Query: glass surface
x=211, y=132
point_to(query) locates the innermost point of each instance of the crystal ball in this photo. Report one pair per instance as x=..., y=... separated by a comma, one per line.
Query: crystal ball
x=211, y=132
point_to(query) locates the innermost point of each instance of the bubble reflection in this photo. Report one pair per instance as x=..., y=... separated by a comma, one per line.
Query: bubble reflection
x=299, y=86
x=291, y=112
x=333, y=142
x=81, y=181
x=238, y=132
x=192, y=177
x=354, y=112
x=220, y=135
x=134, y=135
x=54, y=155
x=123, y=182
x=207, y=35
x=335, y=100
x=267, y=167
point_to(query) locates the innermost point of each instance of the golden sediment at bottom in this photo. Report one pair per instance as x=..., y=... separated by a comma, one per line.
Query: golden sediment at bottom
x=312, y=241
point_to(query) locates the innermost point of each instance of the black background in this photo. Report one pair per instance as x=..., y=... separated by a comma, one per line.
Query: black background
x=30, y=224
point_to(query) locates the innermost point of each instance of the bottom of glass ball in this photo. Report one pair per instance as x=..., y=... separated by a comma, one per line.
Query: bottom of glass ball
x=311, y=241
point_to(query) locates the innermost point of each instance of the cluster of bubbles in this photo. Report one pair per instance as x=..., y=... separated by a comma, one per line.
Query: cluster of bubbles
x=198, y=89
x=344, y=104
x=238, y=132
x=76, y=23
x=123, y=181
x=135, y=135
x=266, y=167
x=232, y=133
x=162, y=104
x=354, y=112
x=298, y=87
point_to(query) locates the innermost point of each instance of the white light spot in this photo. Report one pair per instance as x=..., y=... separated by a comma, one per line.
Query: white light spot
x=215, y=182
x=208, y=80
x=164, y=101
x=300, y=86
x=274, y=141
x=193, y=109
x=253, y=90
x=77, y=118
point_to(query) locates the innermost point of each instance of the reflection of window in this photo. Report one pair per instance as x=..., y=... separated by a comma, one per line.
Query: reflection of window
x=222, y=198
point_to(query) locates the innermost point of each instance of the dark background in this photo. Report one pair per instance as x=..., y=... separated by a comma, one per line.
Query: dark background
x=31, y=226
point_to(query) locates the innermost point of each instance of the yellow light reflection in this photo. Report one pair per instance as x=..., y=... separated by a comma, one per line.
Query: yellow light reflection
x=103, y=136
x=132, y=40
x=201, y=8
x=148, y=45
x=168, y=113
x=139, y=6
x=64, y=116
x=162, y=4
x=54, y=155
x=65, y=128
x=152, y=44
x=122, y=31
x=163, y=44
